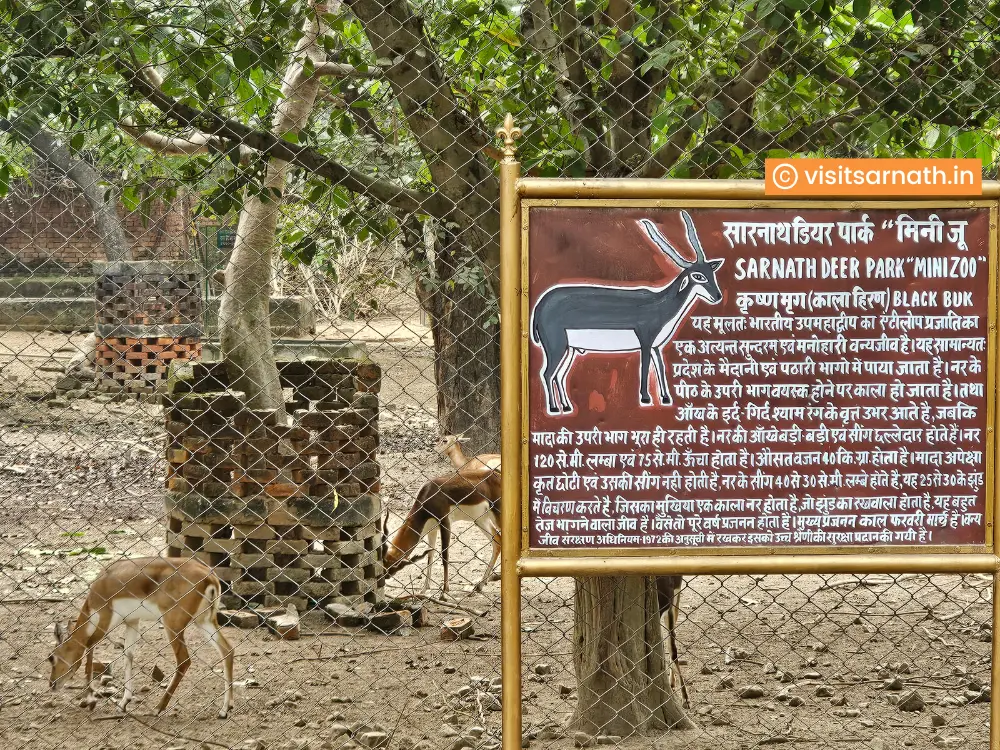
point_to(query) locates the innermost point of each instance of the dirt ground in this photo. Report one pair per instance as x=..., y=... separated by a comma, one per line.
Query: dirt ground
x=806, y=661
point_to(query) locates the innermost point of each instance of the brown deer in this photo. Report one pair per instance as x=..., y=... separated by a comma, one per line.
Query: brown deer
x=668, y=595
x=472, y=495
x=451, y=446
x=174, y=590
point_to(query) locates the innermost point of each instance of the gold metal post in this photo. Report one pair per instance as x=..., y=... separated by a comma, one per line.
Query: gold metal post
x=995, y=669
x=544, y=187
x=544, y=567
x=510, y=420
x=993, y=536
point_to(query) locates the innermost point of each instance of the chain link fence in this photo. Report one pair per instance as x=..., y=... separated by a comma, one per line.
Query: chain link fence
x=248, y=289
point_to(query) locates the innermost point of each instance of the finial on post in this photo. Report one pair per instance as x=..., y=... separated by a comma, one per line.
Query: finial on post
x=509, y=133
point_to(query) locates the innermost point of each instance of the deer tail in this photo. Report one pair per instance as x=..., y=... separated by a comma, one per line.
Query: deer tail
x=212, y=601
x=534, y=331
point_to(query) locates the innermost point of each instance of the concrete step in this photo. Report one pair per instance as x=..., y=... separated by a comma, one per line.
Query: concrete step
x=291, y=317
x=65, y=314
x=47, y=286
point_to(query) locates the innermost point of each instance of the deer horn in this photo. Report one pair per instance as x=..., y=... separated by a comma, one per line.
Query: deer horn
x=661, y=242
x=692, y=236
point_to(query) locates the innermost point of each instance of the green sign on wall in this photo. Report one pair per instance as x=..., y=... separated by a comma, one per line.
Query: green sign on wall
x=225, y=239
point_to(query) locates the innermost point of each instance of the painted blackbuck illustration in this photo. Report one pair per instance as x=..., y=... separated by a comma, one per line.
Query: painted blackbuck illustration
x=574, y=319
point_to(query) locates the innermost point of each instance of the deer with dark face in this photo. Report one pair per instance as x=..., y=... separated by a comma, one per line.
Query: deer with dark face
x=573, y=319
x=469, y=495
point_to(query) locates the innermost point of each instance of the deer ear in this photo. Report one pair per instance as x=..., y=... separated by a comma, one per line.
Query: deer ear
x=716, y=264
x=59, y=633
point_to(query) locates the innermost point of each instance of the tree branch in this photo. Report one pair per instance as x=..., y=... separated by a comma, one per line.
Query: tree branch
x=450, y=140
x=189, y=144
x=667, y=155
x=342, y=70
x=271, y=146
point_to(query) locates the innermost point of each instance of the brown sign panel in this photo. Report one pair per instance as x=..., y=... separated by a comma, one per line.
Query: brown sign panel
x=737, y=378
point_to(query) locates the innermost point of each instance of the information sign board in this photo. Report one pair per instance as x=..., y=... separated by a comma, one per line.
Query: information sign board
x=225, y=238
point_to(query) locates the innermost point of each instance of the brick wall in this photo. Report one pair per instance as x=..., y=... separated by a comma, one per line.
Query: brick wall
x=51, y=225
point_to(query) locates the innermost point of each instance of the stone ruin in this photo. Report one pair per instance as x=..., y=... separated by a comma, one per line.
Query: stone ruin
x=149, y=313
x=287, y=511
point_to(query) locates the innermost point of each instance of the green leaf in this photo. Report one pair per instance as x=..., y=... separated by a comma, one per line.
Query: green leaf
x=967, y=144
x=861, y=9
x=301, y=252
x=4, y=180
x=796, y=4
x=291, y=136
x=244, y=59
x=716, y=108
x=932, y=136
x=766, y=7
x=663, y=57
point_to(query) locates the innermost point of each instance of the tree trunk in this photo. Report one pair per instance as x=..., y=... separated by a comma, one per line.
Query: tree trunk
x=106, y=220
x=466, y=343
x=244, y=311
x=466, y=364
x=622, y=673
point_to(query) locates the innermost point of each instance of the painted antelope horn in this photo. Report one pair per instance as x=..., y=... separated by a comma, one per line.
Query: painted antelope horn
x=661, y=242
x=692, y=236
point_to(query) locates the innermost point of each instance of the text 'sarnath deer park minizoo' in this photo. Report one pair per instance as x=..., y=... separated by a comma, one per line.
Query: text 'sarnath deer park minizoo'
x=521, y=201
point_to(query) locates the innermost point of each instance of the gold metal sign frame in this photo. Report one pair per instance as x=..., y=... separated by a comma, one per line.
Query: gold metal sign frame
x=517, y=197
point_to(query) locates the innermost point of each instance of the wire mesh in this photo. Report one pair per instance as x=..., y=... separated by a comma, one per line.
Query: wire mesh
x=307, y=193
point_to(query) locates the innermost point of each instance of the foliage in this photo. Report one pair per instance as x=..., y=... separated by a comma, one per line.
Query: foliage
x=600, y=87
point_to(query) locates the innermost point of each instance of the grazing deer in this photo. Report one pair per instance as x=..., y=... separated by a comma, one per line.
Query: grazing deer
x=175, y=590
x=472, y=495
x=573, y=319
x=668, y=596
x=451, y=446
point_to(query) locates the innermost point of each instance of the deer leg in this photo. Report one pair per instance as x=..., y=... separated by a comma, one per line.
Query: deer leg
x=175, y=636
x=661, y=377
x=89, y=699
x=673, y=614
x=562, y=374
x=432, y=536
x=97, y=628
x=550, y=372
x=214, y=634
x=131, y=639
x=445, y=547
x=645, y=354
x=488, y=525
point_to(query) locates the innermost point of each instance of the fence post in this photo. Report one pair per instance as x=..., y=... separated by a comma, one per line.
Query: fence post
x=510, y=411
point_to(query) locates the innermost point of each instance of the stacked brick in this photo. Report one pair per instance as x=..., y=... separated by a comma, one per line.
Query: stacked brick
x=287, y=511
x=45, y=223
x=149, y=313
